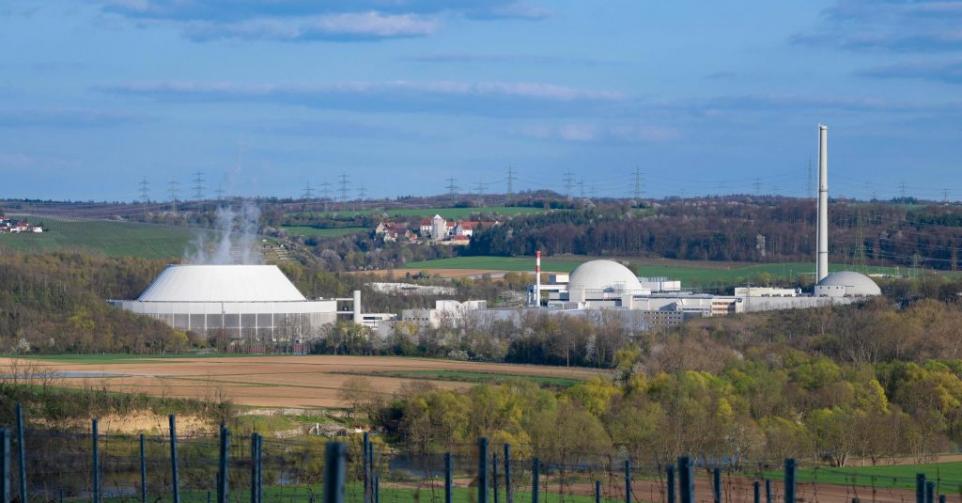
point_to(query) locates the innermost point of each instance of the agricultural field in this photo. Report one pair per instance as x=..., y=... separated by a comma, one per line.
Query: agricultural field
x=688, y=272
x=316, y=232
x=948, y=475
x=109, y=238
x=280, y=381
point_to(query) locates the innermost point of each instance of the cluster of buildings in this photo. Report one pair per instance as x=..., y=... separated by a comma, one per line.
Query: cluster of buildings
x=12, y=226
x=437, y=230
x=259, y=303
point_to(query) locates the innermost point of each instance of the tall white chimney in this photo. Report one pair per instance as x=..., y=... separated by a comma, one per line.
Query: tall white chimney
x=821, y=260
x=537, y=278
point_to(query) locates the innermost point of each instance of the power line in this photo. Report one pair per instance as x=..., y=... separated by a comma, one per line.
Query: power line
x=343, y=186
x=511, y=179
x=452, y=188
x=637, y=191
x=198, y=186
x=569, y=182
x=144, y=191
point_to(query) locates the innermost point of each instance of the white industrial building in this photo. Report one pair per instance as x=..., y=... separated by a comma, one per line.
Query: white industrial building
x=450, y=313
x=249, y=302
x=606, y=284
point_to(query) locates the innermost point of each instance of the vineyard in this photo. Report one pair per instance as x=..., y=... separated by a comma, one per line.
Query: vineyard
x=46, y=465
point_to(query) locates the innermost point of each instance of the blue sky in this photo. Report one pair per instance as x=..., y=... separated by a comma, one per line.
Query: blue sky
x=263, y=97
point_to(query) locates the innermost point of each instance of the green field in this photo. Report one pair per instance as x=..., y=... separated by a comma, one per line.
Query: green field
x=316, y=232
x=689, y=273
x=115, y=239
x=449, y=213
x=947, y=475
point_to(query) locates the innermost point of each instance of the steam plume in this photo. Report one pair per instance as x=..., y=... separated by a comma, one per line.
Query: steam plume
x=236, y=233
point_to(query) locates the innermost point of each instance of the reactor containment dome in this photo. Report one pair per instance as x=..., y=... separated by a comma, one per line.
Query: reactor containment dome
x=847, y=284
x=597, y=279
x=253, y=302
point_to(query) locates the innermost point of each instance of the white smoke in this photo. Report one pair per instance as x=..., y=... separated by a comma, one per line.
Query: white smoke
x=236, y=235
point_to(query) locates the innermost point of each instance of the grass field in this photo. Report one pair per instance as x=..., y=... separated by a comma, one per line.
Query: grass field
x=690, y=273
x=280, y=381
x=948, y=475
x=109, y=238
x=449, y=213
x=308, y=232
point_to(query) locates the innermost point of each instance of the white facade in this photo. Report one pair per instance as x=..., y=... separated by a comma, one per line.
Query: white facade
x=253, y=302
x=439, y=228
x=446, y=312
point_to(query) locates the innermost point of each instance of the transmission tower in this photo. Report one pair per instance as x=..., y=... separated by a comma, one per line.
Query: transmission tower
x=361, y=193
x=219, y=193
x=452, y=188
x=480, y=187
x=325, y=190
x=308, y=191
x=511, y=179
x=569, y=182
x=637, y=192
x=172, y=190
x=198, y=186
x=581, y=188
x=757, y=185
x=144, y=191
x=902, y=189
x=342, y=180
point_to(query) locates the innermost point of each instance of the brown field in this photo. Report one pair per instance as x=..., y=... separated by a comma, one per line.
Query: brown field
x=269, y=381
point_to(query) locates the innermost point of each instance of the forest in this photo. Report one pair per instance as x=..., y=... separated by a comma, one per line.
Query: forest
x=738, y=229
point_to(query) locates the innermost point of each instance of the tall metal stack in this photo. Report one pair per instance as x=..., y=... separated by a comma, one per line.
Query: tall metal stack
x=821, y=259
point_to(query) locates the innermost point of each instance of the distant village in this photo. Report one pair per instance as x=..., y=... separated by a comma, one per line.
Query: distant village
x=12, y=226
x=436, y=230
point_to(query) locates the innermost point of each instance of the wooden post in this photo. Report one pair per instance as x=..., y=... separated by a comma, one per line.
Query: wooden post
x=223, y=476
x=494, y=477
x=716, y=485
x=919, y=488
x=627, y=481
x=482, y=470
x=95, y=466
x=535, y=483
x=789, y=480
x=174, y=483
x=21, y=454
x=757, y=488
x=143, y=471
x=447, y=477
x=508, y=497
x=335, y=457
x=254, y=457
x=768, y=491
x=367, y=467
x=670, y=483
x=597, y=491
x=686, y=480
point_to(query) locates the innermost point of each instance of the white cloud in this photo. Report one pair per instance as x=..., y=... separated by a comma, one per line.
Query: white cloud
x=344, y=27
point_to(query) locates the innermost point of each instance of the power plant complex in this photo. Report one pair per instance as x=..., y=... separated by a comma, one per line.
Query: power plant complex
x=259, y=303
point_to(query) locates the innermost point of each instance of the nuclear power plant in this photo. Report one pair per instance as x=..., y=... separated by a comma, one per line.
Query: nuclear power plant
x=248, y=302
x=606, y=284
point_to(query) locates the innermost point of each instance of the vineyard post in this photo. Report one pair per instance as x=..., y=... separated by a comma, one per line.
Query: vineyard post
x=367, y=467
x=223, y=477
x=597, y=491
x=670, y=484
x=494, y=477
x=174, y=483
x=447, y=477
x=756, y=487
x=790, y=480
x=21, y=454
x=334, y=459
x=143, y=471
x=919, y=488
x=686, y=480
x=95, y=466
x=535, y=483
x=716, y=485
x=508, y=497
x=483, y=470
x=4, y=466
x=627, y=481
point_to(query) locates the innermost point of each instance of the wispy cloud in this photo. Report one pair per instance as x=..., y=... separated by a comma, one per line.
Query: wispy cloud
x=588, y=132
x=949, y=72
x=64, y=118
x=522, y=59
x=478, y=98
x=313, y=20
x=892, y=25
x=334, y=27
